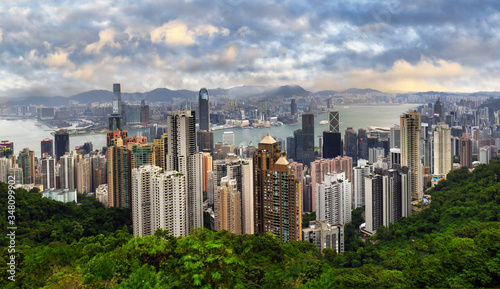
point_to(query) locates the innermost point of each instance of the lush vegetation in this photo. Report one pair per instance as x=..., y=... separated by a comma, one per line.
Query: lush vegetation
x=453, y=243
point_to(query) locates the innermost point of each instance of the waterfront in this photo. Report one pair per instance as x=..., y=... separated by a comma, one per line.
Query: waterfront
x=24, y=133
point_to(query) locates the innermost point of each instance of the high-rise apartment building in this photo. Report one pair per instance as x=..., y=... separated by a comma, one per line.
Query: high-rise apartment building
x=159, y=200
x=26, y=161
x=277, y=193
x=325, y=235
x=228, y=207
x=358, y=185
x=333, y=199
x=293, y=107
x=388, y=197
x=320, y=168
x=182, y=157
x=443, y=160
x=410, y=151
x=465, y=151
x=67, y=171
x=204, y=109
x=83, y=175
x=308, y=138
x=5, y=165
x=61, y=143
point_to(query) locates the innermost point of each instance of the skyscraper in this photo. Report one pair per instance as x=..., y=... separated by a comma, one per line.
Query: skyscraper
x=182, y=157
x=293, y=107
x=61, y=143
x=115, y=119
x=332, y=144
x=351, y=144
x=465, y=151
x=362, y=144
x=442, y=150
x=47, y=147
x=277, y=193
x=410, y=151
x=204, y=109
x=205, y=141
x=334, y=121
x=308, y=138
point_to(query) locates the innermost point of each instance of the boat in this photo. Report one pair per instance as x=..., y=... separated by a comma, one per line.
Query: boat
x=323, y=122
x=37, y=124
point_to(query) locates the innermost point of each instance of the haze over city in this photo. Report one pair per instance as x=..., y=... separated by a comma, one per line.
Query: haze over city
x=61, y=48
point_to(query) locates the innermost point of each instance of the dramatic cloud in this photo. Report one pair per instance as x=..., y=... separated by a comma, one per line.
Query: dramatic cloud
x=64, y=47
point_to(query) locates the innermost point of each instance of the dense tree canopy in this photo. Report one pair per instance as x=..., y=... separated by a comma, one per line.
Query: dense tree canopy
x=453, y=243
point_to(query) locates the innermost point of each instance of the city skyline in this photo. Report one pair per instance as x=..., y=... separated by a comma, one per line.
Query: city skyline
x=389, y=46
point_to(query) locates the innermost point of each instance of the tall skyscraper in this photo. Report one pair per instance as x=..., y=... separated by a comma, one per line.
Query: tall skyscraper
x=443, y=160
x=61, y=143
x=388, y=197
x=204, y=109
x=332, y=144
x=465, y=151
x=83, y=175
x=277, y=193
x=333, y=199
x=115, y=119
x=158, y=201
x=144, y=112
x=293, y=107
x=182, y=157
x=334, y=121
x=205, y=141
x=47, y=147
x=439, y=110
x=362, y=144
x=299, y=146
x=410, y=151
x=351, y=144
x=308, y=138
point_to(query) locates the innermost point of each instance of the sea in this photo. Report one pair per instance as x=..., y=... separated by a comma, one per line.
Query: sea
x=25, y=134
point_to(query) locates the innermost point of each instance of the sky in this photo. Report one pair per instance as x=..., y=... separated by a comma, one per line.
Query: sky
x=61, y=48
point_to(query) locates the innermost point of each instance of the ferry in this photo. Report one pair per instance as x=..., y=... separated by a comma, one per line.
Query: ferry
x=323, y=122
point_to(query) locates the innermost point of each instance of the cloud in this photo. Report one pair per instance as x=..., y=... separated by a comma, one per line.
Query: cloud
x=427, y=75
x=106, y=38
x=59, y=59
x=177, y=33
x=387, y=45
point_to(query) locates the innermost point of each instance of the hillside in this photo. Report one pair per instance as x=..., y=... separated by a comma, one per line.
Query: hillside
x=453, y=243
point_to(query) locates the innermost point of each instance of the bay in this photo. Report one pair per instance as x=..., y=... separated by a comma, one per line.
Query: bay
x=24, y=133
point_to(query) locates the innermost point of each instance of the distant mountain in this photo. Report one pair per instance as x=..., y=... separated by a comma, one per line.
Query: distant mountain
x=325, y=92
x=361, y=91
x=242, y=92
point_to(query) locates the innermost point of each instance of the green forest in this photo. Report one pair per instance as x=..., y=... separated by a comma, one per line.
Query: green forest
x=455, y=242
